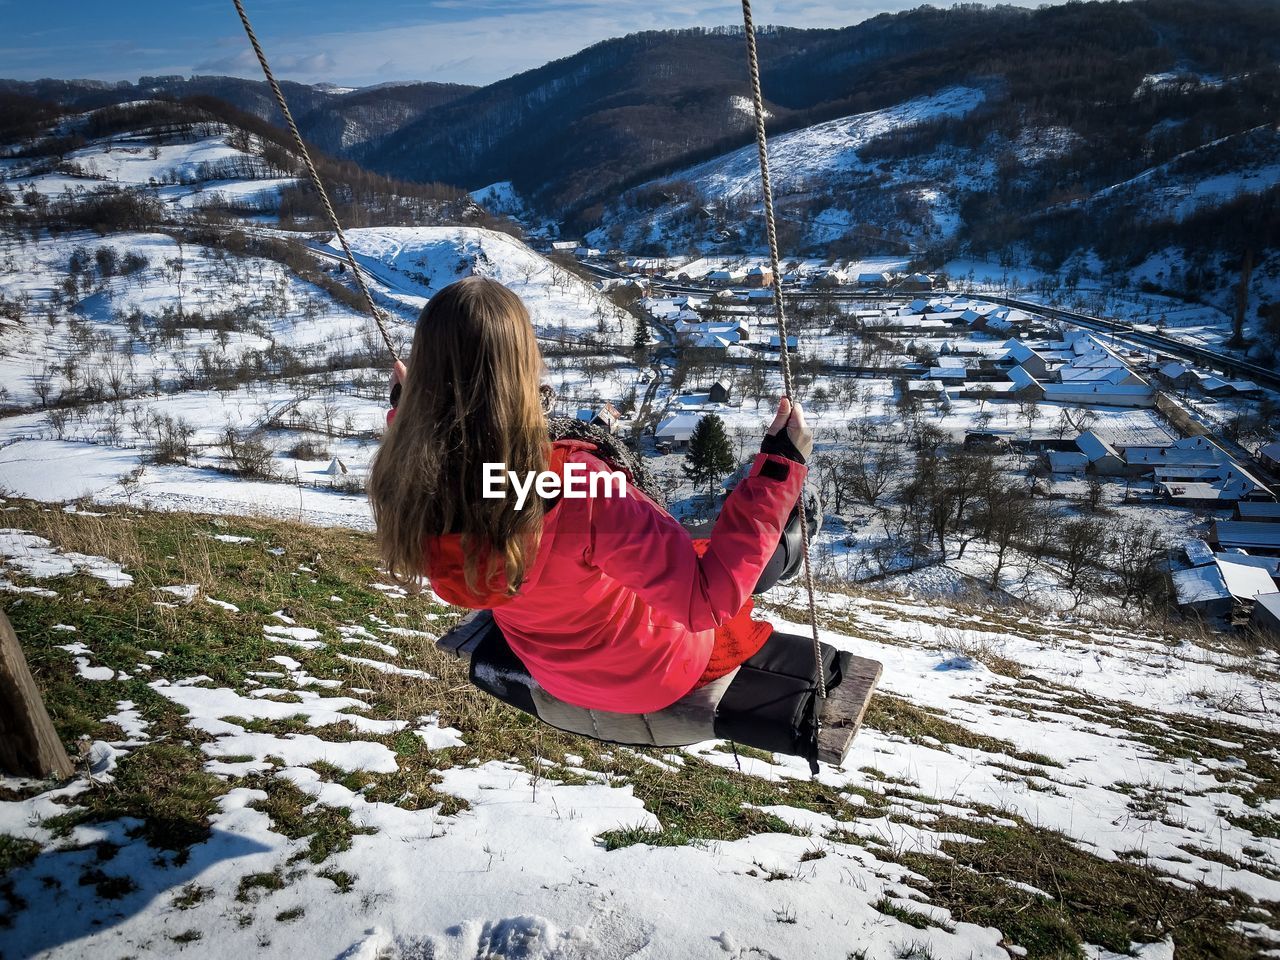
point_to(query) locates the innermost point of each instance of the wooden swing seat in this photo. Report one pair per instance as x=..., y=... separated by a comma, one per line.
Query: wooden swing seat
x=767, y=703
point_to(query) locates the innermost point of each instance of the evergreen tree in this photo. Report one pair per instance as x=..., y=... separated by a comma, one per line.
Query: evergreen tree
x=641, y=341
x=710, y=454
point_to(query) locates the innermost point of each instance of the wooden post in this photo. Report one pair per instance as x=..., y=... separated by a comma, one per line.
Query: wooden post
x=29, y=745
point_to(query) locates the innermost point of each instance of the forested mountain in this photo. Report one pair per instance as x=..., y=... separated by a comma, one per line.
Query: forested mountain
x=336, y=120
x=1087, y=112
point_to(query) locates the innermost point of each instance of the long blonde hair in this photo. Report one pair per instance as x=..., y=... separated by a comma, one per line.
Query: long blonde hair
x=471, y=397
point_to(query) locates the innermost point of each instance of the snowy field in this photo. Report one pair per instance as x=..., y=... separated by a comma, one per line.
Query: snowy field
x=1049, y=728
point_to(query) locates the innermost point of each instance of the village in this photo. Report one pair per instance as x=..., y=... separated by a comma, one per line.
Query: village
x=1091, y=423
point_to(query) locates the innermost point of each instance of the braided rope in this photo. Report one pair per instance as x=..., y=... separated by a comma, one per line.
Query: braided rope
x=780, y=313
x=315, y=179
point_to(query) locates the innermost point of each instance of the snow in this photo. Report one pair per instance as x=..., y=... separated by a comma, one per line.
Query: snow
x=412, y=263
x=37, y=558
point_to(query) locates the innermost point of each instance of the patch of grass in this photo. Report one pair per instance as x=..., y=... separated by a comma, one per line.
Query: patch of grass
x=16, y=852
x=344, y=881
x=191, y=896
x=912, y=918
x=1107, y=903
x=107, y=886
x=893, y=715
x=250, y=884
x=327, y=830
x=162, y=784
x=1260, y=825
x=290, y=915
x=188, y=936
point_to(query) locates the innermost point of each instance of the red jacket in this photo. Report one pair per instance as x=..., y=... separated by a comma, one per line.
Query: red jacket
x=618, y=610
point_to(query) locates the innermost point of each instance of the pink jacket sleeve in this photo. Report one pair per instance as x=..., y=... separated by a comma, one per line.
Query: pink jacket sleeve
x=646, y=549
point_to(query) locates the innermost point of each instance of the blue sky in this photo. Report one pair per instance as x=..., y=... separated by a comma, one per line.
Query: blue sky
x=360, y=41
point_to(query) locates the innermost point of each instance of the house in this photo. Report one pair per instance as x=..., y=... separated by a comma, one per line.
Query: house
x=775, y=342
x=1266, y=614
x=830, y=277
x=1191, y=493
x=916, y=282
x=677, y=430
x=586, y=253
x=924, y=389
x=1219, y=388
x=1177, y=375
x=606, y=417
x=759, y=276
x=1104, y=459
x=725, y=277
x=875, y=281
x=1258, y=511
x=1257, y=538
x=985, y=440
x=1024, y=384
x=1270, y=455
x=1101, y=394
x=719, y=392
x=1202, y=590
x=1019, y=354
x=565, y=246
x=1187, y=452
x=1067, y=461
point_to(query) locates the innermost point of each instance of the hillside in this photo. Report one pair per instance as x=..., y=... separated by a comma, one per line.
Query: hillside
x=1098, y=121
x=276, y=760
x=165, y=338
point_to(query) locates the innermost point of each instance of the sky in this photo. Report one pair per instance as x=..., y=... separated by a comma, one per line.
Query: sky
x=361, y=42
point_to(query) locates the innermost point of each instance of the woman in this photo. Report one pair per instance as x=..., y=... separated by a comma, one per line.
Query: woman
x=606, y=600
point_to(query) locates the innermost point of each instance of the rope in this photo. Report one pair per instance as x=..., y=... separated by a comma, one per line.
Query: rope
x=315, y=179
x=780, y=313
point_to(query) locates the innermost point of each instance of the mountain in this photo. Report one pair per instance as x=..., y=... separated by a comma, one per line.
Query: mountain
x=337, y=120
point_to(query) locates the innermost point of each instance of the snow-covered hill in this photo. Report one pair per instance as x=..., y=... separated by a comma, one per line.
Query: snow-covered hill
x=121, y=342
x=415, y=262
x=326, y=784
x=818, y=176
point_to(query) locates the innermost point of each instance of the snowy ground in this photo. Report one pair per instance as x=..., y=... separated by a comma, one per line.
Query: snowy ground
x=1048, y=725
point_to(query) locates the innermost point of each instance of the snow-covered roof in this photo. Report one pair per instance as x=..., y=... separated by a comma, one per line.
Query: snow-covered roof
x=1269, y=564
x=1200, y=585
x=1259, y=511
x=1021, y=379
x=948, y=372
x=1019, y=352
x=1243, y=580
x=1243, y=533
x=1173, y=370
x=1198, y=552
x=1271, y=450
x=679, y=426
x=1072, y=374
x=1094, y=447
x=1196, y=490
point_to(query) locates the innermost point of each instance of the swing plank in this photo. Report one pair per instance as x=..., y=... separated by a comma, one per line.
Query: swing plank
x=766, y=703
x=842, y=711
